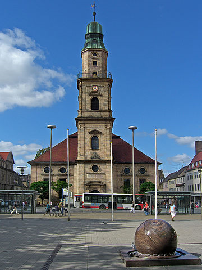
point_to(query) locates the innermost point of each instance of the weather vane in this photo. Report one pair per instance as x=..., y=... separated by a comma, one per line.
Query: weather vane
x=94, y=13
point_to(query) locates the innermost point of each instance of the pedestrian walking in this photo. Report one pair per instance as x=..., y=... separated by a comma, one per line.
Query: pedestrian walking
x=146, y=208
x=56, y=211
x=172, y=211
x=192, y=207
x=14, y=210
x=60, y=208
x=47, y=210
x=132, y=210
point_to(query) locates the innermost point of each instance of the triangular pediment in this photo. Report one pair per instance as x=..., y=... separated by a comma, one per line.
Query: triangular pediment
x=95, y=132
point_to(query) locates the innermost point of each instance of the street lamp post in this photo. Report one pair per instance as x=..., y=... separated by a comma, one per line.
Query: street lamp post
x=68, y=180
x=51, y=128
x=156, y=172
x=133, y=161
x=22, y=170
x=200, y=170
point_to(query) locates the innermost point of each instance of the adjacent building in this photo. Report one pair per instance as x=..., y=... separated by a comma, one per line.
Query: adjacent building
x=8, y=177
x=187, y=178
x=175, y=181
x=193, y=175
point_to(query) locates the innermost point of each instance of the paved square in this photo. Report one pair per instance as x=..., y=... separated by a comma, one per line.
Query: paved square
x=90, y=240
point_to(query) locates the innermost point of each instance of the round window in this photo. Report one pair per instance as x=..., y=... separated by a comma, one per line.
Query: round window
x=142, y=170
x=127, y=170
x=95, y=168
x=63, y=170
x=46, y=169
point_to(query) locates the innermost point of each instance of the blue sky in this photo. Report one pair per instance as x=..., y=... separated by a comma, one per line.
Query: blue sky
x=154, y=57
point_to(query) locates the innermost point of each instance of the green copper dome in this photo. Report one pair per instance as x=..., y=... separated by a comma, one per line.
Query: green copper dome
x=94, y=36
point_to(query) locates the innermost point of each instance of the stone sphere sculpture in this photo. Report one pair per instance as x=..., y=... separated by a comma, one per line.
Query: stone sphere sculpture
x=155, y=237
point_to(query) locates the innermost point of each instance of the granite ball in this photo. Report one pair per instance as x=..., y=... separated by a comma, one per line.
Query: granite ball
x=155, y=237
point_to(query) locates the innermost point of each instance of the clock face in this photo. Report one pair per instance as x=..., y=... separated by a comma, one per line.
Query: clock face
x=95, y=88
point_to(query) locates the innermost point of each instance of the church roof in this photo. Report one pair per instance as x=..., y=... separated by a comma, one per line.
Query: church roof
x=122, y=152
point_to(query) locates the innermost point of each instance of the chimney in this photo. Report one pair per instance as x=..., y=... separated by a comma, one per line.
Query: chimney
x=198, y=147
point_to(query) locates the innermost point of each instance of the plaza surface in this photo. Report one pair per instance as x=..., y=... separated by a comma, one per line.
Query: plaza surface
x=90, y=240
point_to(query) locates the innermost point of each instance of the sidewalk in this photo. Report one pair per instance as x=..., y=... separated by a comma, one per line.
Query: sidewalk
x=90, y=240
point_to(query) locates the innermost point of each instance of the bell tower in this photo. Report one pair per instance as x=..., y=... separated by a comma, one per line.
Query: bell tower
x=94, y=121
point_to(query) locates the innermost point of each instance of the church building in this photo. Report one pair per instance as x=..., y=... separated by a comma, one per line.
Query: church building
x=90, y=146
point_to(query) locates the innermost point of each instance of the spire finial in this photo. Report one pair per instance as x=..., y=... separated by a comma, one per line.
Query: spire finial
x=94, y=13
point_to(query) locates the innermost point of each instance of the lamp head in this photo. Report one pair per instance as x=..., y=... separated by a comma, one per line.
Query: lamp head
x=51, y=126
x=22, y=169
x=132, y=127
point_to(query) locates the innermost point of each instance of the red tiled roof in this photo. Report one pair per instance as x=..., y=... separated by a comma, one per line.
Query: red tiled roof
x=59, y=152
x=4, y=155
x=7, y=156
x=197, y=158
x=122, y=152
x=193, y=164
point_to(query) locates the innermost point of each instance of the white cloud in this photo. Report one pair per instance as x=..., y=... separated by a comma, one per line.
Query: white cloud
x=180, y=158
x=187, y=140
x=23, y=82
x=19, y=149
x=32, y=156
x=20, y=162
x=161, y=131
x=25, y=153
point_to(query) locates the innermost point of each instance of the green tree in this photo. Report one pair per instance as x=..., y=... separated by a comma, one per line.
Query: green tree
x=41, y=151
x=59, y=186
x=42, y=187
x=146, y=186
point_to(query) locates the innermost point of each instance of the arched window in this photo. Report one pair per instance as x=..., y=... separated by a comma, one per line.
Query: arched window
x=126, y=186
x=95, y=103
x=94, y=143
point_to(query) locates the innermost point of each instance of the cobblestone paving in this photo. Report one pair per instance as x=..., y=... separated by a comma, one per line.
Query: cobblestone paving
x=90, y=240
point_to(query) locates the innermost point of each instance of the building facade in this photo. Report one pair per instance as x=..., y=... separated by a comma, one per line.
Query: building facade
x=194, y=170
x=8, y=177
x=90, y=147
